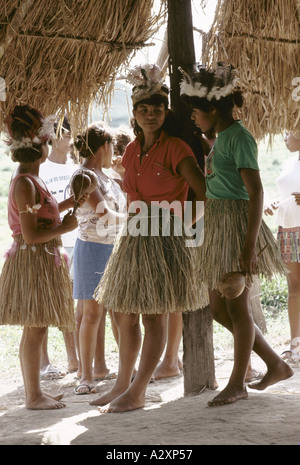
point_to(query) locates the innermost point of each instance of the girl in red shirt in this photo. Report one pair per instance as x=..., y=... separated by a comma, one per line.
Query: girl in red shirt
x=150, y=274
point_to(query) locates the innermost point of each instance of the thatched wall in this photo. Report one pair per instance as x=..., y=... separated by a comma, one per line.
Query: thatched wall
x=261, y=39
x=63, y=55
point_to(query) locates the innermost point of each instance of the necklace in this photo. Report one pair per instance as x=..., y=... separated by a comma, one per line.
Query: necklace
x=143, y=152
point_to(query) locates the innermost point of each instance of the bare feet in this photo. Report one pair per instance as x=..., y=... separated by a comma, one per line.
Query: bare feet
x=99, y=375
x=56, y=397
x=229, y=395
x=167, y=369
x=108, y=396
x=43, y=402
x=124, y=403
x=274, y=375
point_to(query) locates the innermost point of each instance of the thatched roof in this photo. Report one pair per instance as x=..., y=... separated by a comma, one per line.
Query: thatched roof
x=64, y=55
x=261, y=39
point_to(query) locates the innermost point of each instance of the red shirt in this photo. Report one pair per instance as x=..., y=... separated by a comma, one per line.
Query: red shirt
x=156, y=178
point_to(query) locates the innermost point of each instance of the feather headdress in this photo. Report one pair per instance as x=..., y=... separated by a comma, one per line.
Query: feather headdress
x=209, y=84
x=146, y=80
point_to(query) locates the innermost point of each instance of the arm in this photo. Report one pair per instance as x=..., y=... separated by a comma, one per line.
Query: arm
x=118, y=167
x=25, y=194
x=97, y=202
x=252, y=181
x=66, y=204
x=69, y=203
x=268, y=209
x=189, y=169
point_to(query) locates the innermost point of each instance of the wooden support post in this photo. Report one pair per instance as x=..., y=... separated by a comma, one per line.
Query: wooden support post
x=198, y=358
x=198, y=353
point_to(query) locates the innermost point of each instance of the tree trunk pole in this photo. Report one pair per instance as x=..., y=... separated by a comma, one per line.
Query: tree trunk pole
x=198, y=356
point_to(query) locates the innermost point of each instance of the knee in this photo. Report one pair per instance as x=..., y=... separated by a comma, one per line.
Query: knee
x=123, y=320
x=155, y=322
x=91, y=313
x=35, y=335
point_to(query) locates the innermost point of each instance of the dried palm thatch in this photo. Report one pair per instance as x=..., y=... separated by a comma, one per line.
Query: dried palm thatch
x=262, y=40
x=62, y=55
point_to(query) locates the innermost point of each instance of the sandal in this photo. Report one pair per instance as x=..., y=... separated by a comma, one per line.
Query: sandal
x=255, y=376
x=292, y=357
x=88, y=389
x=51, y=373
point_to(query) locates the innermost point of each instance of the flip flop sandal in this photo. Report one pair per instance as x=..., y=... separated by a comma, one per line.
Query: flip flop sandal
x=255, y=377
x=293, y=357
x=51, y=373
x=88, y=389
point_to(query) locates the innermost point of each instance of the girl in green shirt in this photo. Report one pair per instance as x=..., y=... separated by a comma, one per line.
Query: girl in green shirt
x=235, y=236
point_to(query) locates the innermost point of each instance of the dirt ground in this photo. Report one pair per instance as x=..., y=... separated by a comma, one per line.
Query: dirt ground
x=168, y=418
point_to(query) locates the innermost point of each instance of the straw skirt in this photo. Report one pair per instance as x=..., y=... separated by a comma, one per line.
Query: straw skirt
x=35, y=288
x=151, y=274
x=225, y=226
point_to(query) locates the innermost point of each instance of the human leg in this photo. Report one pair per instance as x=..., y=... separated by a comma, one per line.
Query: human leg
x=277, y=370
x=171, y=364
x=293, y=281
x=91, y=317
x=153, y=346
x=69, y=338
x=47, y=370
x=100, y=368
x=45, y=361
x=114, y=326
x=235, y=315
x=78, y=318
x=30, y=360
x=129, y=345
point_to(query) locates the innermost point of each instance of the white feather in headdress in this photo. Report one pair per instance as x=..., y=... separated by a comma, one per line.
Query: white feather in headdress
x=209, y=84
x=146, y=80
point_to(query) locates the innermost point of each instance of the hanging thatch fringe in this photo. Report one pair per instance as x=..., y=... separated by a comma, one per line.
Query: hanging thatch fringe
x=262, y=40
x=63, y=56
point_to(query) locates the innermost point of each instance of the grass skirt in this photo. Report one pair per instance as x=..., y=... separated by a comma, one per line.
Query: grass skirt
x=35, y=288
x=225, y=226
x=150, y=274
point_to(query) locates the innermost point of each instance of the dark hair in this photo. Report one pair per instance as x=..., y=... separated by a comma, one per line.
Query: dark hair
x=171, y=124
x=24, y=122
x=224, y=105
x=123, y=136
x=94, y=137
x=61, y=128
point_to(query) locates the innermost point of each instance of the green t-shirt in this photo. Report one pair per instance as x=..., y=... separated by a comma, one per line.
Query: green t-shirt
x=234, y=148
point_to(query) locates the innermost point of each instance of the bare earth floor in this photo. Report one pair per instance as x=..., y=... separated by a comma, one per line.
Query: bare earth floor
x=168, y=418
